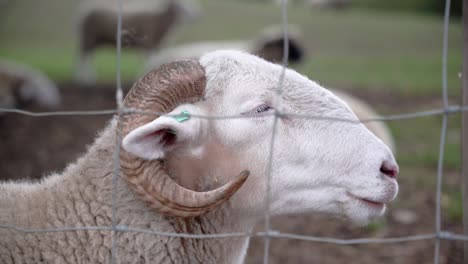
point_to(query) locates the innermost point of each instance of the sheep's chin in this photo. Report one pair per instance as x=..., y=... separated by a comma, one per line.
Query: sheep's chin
x=361, y=214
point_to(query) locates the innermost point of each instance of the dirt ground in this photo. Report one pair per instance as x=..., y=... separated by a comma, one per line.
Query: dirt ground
x=32, y=147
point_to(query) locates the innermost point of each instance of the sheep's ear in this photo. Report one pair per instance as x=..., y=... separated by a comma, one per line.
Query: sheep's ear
x=153, y=140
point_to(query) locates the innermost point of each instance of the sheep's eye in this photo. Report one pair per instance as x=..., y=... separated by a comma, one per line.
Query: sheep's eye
x=261, y=109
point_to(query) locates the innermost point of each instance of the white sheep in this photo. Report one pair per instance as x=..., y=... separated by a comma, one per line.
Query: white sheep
x=268, y=44
x=20, y=84
x=316, y=168
x=146, y=24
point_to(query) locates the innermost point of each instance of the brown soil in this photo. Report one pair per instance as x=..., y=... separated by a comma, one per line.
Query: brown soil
x=31, y=147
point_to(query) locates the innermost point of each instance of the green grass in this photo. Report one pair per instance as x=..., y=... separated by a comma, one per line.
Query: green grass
x=418, y=154
x=61, y=67
x=420, y=139
x=375, y=226
x=453, y=205
x=412, y=75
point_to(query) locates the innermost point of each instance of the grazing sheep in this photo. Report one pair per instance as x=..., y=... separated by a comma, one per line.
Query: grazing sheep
x=268, y=45
x=145, y=25
x=316, y=168
x=20, y=84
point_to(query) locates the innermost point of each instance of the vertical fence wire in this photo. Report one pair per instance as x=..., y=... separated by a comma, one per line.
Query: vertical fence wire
x=277, y=115
x=119, y=105
x=439, y=188
x=268, y=192
x=464, y=128
x=443, y=131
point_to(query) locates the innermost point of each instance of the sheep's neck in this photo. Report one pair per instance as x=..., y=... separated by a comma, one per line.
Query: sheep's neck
x=210, y=250
x=202, y=173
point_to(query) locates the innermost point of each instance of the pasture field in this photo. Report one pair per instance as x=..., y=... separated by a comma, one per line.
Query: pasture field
x=392, y=60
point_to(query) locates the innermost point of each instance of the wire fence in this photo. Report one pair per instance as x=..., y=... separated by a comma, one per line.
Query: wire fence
x=268, y=233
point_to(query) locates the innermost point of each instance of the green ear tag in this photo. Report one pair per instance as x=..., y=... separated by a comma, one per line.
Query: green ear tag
x=184, y=116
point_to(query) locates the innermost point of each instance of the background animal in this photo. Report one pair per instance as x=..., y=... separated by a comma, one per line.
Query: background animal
x=21, y=85
x=268, y=44
x=146, y=25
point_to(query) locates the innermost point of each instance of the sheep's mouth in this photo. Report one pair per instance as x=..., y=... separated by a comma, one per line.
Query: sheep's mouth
x=373, y=204
x=368, y=202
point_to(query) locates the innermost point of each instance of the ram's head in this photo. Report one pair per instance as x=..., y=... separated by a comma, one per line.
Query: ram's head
x=321, y=164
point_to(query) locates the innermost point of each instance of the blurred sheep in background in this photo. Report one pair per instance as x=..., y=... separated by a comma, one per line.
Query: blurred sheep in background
x=146, y=25
x=21, y=84
x=268, y=44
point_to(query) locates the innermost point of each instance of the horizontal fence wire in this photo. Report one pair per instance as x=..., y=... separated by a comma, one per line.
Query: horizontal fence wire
x=269, y=233
x=451, y=109
x=443, y=235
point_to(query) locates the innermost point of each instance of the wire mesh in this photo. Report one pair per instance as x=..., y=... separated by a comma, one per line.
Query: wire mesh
x=268, y=233
x=119, y=103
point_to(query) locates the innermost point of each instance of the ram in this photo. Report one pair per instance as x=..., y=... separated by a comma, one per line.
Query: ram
x=269, y=45
x=192, y=172
x=146, y=25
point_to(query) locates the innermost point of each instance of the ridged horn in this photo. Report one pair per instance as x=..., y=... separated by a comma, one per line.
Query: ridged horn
x=161, y=90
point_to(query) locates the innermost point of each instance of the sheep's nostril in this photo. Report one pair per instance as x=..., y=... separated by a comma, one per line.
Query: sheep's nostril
x=389, y=168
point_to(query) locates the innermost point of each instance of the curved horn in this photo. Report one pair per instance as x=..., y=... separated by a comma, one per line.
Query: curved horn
x=162, y=90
